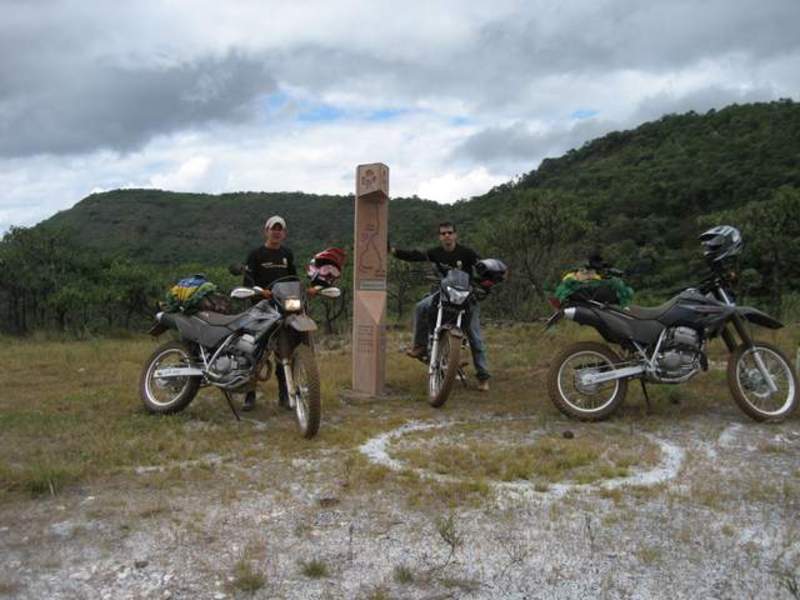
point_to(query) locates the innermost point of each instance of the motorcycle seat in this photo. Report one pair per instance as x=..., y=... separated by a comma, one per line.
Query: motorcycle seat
x=649, y=313
x=217, y=319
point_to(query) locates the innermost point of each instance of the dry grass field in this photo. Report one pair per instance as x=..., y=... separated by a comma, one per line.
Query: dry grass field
x=494, y=495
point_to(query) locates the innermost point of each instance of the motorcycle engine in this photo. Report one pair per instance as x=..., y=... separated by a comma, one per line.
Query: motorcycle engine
x=681, y=353
x=232, y=368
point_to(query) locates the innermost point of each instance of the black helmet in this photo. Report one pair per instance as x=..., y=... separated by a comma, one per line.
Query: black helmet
x=491, y=271
x=721, y=242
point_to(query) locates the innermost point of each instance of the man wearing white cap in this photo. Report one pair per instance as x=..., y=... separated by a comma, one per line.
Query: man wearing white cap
x=266, y=264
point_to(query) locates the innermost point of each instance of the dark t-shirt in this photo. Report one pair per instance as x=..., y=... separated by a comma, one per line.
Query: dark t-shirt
x=265, y=265
x=461, y=257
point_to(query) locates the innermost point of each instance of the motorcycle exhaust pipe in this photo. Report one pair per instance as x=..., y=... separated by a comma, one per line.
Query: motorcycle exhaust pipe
x=582, y=316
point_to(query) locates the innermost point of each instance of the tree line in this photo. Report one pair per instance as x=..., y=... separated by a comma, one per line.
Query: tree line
x=49, y=281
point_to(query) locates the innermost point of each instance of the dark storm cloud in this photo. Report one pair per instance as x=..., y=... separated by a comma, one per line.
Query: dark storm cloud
x=492, y=68
x=518, y=144
x=66, y=105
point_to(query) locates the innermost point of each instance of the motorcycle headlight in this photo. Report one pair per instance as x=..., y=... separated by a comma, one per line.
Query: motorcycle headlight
x=457, y=296
x=292, y=304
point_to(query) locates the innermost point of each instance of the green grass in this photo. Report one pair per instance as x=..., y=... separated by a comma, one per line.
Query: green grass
x=246, y=578
x=70, y=414
x=403, y=575
x=314, y=569
x=503, y=451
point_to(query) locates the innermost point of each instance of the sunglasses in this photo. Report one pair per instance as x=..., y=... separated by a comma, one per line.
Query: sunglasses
x=446, y=232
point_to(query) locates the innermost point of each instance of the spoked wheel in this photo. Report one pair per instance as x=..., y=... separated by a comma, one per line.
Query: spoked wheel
x=445, y=365
x=167, y=395
x=749, y=385
x=306, y=400
x=576, y=398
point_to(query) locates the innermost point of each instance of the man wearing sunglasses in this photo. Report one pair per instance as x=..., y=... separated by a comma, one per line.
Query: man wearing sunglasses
x=449, y=252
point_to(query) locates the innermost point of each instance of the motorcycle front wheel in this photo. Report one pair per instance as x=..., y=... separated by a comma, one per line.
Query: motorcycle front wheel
x=750, y=389
x=167, y=395
x=445, y=366
x=585, y=402
x=307, y=404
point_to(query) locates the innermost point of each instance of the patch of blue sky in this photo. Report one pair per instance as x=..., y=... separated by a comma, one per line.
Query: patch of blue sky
x=275, y=101
x=584, y=113
x=320, y=113
x=385, y=114
x=461, y=121
x=308, y=111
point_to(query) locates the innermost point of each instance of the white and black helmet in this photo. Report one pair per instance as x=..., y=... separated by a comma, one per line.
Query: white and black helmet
x=491, y=271
x=721, y=242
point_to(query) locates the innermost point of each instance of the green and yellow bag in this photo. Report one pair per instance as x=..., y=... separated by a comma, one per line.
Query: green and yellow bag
x=189, y=295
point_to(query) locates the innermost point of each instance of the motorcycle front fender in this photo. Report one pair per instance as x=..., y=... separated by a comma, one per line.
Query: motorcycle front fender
x=554, y=319
x=758, y=317
x=157, y=329
x=301, y=323
x=454, y=330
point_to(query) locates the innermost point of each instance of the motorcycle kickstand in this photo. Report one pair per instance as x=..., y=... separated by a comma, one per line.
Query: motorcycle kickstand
x=646, y=397
x=227, y=395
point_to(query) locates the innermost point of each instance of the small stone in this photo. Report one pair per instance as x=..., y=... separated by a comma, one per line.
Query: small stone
x=568, y=435
x=328, y=501
x=141, y=564
x=219, y=596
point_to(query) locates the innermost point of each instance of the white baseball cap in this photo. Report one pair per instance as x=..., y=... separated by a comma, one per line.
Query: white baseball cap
x=275, y=220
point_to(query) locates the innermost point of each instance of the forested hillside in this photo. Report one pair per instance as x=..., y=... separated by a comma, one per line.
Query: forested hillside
x=640, y=196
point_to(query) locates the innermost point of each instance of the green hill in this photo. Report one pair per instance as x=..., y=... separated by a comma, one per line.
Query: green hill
x=166, y=227
x=640, y=196
x=647, y=185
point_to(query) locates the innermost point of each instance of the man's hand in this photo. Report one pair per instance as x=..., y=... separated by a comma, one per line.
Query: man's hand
x=267, y=294
x=312, y=291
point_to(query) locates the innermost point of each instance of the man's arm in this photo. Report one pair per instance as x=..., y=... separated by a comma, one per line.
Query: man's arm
x=290, y=268
x=409, y=255
x=248, y=279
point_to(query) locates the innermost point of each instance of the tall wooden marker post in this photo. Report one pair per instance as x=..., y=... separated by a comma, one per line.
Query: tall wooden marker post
x=369, y=279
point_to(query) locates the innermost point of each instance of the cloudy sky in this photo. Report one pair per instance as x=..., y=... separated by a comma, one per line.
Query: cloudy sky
x=455, y=96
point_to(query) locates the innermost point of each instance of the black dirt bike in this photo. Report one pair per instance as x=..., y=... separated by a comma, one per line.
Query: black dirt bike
x=448, y=341
x=667, y=344
x=233, y=352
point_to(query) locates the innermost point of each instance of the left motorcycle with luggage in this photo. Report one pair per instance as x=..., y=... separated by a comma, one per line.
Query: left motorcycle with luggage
x=234, y=352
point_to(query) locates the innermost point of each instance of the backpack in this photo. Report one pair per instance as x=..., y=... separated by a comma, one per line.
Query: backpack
x=191, y=295
x=610, y=290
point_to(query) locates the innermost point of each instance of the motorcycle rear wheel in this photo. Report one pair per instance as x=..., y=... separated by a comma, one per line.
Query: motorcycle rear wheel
x=167, y=396
x=307, y=404
x=592, y=403
x=446, y=364
x=750, y=391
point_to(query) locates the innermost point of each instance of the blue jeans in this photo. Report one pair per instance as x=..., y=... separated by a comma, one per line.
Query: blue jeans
x=421, y=318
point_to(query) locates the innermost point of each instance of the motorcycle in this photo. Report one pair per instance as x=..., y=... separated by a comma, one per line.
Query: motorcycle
x=667, y=344
x=233, y=352
x=448, y=340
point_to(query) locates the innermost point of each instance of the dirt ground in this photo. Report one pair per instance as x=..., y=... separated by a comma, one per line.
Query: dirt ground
x=493, y=496
x=715, y=517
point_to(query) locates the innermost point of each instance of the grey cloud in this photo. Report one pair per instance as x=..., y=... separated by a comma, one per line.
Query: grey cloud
x=492, y=70
x=700, y=101
x=73, y=106
x=517, y=143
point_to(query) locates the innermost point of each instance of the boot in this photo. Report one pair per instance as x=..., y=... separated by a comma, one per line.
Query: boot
x=249, y=402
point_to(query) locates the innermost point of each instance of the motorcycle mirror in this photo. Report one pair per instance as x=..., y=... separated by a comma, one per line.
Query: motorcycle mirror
x=243, y=292
x=331, y=292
